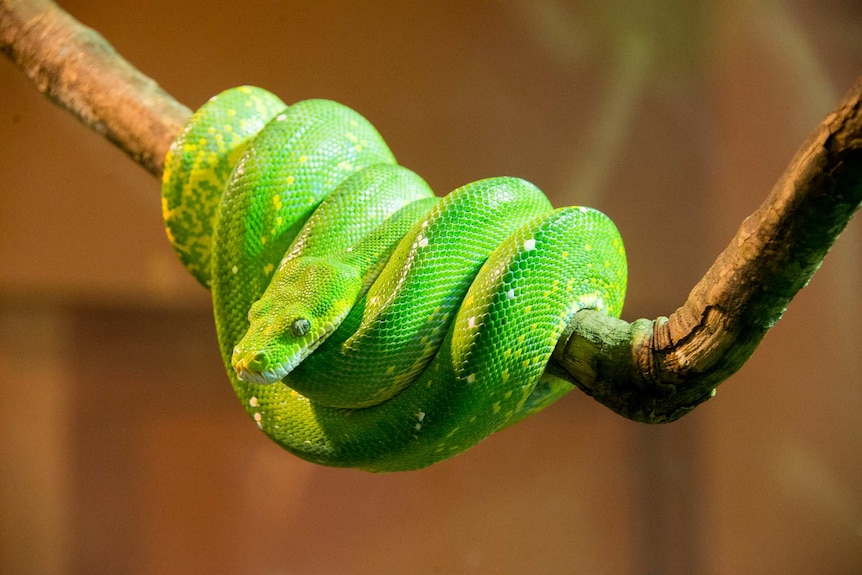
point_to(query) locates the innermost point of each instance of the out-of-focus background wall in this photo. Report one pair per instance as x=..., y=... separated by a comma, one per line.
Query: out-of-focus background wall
x=123, y=450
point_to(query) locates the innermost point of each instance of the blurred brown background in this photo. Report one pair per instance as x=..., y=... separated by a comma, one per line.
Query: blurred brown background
x=123, y=450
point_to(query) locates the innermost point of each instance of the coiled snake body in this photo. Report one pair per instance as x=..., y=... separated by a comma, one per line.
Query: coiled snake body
x=364, y=322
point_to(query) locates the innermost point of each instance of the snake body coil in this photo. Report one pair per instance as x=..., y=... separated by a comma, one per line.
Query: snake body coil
x=362, y=321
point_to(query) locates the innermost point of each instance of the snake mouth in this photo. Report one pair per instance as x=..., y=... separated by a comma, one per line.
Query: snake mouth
x=266, y=376
x=258, y=366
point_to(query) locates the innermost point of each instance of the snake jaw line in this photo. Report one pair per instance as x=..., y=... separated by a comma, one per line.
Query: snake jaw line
x=262, y=377
x=247, y=371
x=256, y=365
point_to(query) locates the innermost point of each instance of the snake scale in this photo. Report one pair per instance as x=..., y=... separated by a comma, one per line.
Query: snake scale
x=364, y=322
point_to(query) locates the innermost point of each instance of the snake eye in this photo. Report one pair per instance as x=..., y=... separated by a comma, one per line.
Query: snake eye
x=300, y=327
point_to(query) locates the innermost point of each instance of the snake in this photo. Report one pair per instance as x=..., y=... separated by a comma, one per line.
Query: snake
x=362, y=320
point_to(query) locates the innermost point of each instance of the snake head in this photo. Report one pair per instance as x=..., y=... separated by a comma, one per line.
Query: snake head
x=305, y=302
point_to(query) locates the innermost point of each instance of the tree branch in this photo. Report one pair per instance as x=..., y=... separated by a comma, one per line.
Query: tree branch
x=76, y=68
x=656, y=371
x=649, y=370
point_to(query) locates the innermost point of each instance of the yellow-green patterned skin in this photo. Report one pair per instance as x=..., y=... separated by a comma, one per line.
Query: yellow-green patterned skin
x=193, y=181
x=363, y=322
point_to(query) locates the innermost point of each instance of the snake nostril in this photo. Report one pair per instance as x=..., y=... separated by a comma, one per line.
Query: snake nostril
x=258, y=361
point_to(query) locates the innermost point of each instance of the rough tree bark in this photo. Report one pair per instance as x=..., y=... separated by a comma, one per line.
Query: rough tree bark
x=648, y=370
x=76, y=68
x=658, y=370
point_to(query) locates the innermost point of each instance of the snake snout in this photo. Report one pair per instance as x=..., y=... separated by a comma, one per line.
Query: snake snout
x=254, y=366
x=257, y=361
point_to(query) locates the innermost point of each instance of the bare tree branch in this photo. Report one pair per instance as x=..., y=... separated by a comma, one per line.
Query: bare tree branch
x=658, y=370
x=77, y=69
x=649, y=370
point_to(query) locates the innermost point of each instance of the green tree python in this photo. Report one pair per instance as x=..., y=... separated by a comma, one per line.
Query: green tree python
x=363, y=321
